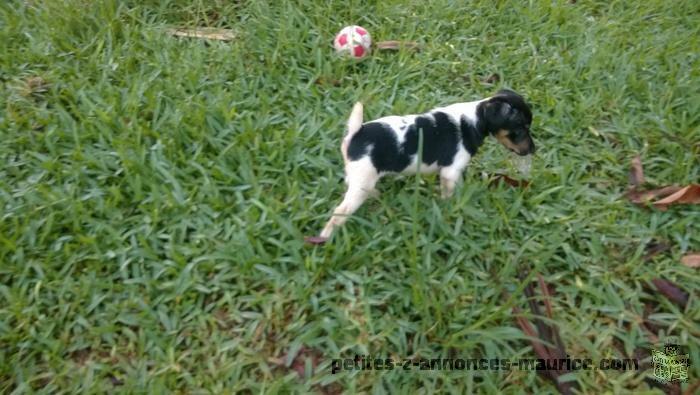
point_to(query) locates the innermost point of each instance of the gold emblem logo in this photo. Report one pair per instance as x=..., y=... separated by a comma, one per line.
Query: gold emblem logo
x=669, y=364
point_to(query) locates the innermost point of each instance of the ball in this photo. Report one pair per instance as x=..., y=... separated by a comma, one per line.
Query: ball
x=353, y=41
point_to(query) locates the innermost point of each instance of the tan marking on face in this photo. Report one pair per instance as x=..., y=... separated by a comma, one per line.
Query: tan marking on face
x=502, y=137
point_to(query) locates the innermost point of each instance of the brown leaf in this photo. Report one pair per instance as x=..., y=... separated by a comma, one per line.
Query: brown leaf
x=545, y=335
x=650, y=332
x=327, y=81
x=209, y=33
x=667, y=195
x=671, y=291
x=330, y=389
x=545, y=292
x=37, y=85
x=636, y=172
x=299, y=360
x=559, y=350
x=508, y=180
x=691, y=260
x=525, y=325
x=395, y=45
x=692, y=388
x=492, y=79
x=687, y=195
x=82, y=356
x=654, y=248
x=315, y=240
x=673, y=388
x=644, y=197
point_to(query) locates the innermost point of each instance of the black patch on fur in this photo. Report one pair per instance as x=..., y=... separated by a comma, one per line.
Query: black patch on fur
x=472, y=135
x=440, y=143
x=440, y=138
x=385, y=155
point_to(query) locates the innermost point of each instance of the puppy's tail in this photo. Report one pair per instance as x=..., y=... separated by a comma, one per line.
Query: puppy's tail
x=354, y=124
x=355, y=120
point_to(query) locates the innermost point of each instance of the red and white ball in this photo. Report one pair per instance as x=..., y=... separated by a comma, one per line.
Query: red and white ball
x=353, y=41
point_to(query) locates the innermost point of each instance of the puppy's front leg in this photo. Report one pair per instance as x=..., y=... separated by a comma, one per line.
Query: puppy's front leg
x=447, y=187
x=448, y=180
x=450, y=175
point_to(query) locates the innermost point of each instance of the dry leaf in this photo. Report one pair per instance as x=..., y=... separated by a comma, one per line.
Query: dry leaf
x=667, y=195
x=327, y=81
x=508, y=180
x=636, y=172
x=492, y=79
x=692, y=388
x=527, y=328
x=298, y=364
x=545, y=341
x=644, y=197
x=37, y=84
x=205, y=32
x=34, y=87
x=654, y=248
x=298, y=360
x=671, y=291
x=687, y=195
x=691, y=260
x=396, y=45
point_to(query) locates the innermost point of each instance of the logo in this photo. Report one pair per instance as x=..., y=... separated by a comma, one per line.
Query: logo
x=671, y=363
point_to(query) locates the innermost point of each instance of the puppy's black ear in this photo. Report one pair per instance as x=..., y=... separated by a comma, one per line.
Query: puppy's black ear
x=515, y=101
x=496, y=110
x=494, y=113
x=505, y=108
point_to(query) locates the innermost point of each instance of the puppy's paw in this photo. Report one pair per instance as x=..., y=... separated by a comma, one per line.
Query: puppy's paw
x=447, y=188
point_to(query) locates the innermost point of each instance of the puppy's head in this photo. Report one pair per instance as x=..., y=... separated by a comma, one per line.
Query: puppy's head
x=508, y=118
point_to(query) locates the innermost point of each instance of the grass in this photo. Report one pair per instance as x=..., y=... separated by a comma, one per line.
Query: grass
x=156, y=192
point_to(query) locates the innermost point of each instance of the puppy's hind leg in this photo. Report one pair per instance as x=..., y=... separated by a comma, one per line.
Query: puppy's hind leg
x=361, y=179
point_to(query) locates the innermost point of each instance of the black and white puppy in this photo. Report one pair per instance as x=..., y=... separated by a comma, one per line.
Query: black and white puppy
x=451, y=135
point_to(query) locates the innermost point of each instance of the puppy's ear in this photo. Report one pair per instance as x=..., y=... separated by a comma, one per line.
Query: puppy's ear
x=515, y=101
x=497, y=109
x=505, y=109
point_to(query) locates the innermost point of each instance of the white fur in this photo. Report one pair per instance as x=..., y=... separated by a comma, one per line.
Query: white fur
x=457, y=110
x=354, y=124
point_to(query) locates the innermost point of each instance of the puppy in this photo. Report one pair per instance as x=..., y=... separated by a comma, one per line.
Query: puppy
x=450, y=137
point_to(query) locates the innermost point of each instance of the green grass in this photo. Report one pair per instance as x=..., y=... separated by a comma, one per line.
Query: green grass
x=155, y=193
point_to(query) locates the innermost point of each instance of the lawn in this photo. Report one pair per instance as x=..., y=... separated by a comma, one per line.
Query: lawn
x=156, y=191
